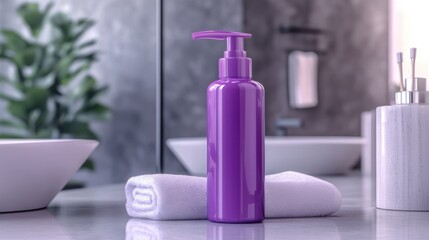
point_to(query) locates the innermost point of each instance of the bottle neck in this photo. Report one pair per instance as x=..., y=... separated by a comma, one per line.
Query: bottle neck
x=235, y=67
x=234, y=79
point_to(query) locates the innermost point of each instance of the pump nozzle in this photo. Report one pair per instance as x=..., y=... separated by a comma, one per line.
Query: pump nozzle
x=218, y=35
x=234, y=63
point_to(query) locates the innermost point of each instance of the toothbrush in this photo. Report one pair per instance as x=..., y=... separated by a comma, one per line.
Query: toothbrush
x=413, y=67
x=401, y=75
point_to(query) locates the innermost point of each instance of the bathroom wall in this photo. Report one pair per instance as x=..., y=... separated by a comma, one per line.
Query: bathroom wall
x=190, y=65
x=352, y=66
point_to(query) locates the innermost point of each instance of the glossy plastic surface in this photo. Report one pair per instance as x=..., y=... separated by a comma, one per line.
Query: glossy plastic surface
x=235, y=63
x=235, y=150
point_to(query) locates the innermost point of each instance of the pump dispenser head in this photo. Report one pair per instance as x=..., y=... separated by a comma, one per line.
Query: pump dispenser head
x=415, y=90
x=235, y=63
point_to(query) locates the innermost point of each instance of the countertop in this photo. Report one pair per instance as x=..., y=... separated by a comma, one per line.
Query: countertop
x=99, y=213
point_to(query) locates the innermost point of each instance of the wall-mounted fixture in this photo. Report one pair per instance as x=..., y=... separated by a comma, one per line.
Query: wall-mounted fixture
x=283, y=124
x=302, y=65
x=302, y=79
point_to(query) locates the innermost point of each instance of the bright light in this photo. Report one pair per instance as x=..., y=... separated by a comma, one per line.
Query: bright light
x=408, y=28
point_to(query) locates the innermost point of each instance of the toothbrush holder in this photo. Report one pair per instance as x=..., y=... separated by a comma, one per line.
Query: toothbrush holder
x=402, y=150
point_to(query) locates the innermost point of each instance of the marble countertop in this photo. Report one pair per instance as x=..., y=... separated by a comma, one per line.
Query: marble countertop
x=99, y=213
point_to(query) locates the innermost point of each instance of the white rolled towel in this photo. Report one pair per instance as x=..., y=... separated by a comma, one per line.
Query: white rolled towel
x=166, y=196
x=179, y=197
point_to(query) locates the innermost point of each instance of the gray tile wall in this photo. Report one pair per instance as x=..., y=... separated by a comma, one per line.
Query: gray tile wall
x=190, y=65
x=352, y=71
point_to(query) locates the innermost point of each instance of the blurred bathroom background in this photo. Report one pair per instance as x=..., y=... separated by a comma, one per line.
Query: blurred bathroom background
x=349, y=37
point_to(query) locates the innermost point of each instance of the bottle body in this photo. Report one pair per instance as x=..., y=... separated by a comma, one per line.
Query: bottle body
x=235, y=150
x=402, y=165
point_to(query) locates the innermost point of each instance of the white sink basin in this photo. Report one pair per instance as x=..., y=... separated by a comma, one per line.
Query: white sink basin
x=310, y=155
x=33, y=171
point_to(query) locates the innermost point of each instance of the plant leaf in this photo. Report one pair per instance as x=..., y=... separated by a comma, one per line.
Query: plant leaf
x=81, y=27
x=63, y=67
x=7, y=97
x=44, y=133
x=4, y=78
x=64, y=25
x=20, y=73
x=11, y=136
x=37, y=119
x=87, y=84
x=2, y=49
x=36, y=98
x=18, y=110
x=71, y=75
x=33, y=17
x=17, y=86
x=78, y=129
x=28, y=56
x=94, y=93
x=14, y=40
x=96, y=110
x=88, y=89
x=40, y=58
x=86, y=44
x=11, y=124
x=90, y=57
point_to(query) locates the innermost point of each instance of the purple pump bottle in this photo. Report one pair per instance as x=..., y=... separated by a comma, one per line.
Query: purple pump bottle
x=235, y=136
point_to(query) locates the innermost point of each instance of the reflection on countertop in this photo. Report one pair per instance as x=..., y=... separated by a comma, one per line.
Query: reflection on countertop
x=270, y=229
x=99, y=213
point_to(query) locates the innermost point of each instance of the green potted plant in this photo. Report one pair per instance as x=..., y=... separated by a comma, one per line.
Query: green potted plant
x=51, y=93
